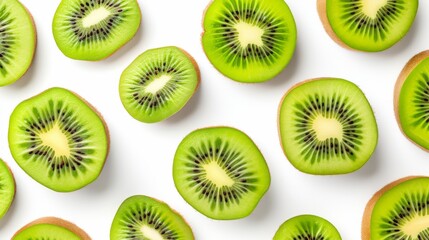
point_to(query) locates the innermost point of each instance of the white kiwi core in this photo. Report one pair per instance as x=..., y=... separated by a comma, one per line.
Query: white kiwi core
x=217, y=175
x=249, y=34
x=57, y=140
x=415, y=225
x=157, y=84
x=95, y=17
x=371, y=7
x=326, y=128
x=150, y=233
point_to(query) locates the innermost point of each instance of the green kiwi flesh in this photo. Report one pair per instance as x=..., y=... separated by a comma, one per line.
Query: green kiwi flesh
x=327, y=126
x=94, y=29
x=412, y=100
x=58, y=139
x=249, y=40
x=368, y=25
x=142, y=217
x=307, y=227
x=7, y=188
x=17, y=41
x=220, y=172
x=158, y=83
x=399, y=211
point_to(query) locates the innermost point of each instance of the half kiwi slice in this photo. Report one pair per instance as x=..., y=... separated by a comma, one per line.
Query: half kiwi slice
x=307, y=227
x=327, y=126
x=411, y=100
x=249, y=40
x=399, y=210
x=158, y=83
x=94, y=29
x=220, y=172
x=17, y=41
x=367, y=25
x=142, y=218
x=58, y=139
x=7, y=188
x=51, y=228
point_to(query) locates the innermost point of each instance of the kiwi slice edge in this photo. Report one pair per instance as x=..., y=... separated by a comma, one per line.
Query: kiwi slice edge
x=10, y=183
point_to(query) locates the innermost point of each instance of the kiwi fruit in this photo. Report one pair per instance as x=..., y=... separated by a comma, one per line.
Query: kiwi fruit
x=51, y=228
x=158, y=83
x=7, y=188
x=58, y=139
x=17, y=41
x=370, y=26
x=249, y=40
x=400, y=210
x=220, y=172
x=145, y=218
x=307, y=227
x=411, y=100
x=94, y=29
x=327, y=126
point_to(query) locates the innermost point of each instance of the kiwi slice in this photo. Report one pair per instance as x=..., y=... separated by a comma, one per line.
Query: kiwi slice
x=411, y=100
x=367, y=25
x=307, y=227
x=58, y=139
x=327, y=126
x=158, y=83
x=50, y=228
x=7, y=188
x=145, y=218
x=94, y=29
x=17, y=41
x=220, y=172
x=249, y=40
x=400, y=210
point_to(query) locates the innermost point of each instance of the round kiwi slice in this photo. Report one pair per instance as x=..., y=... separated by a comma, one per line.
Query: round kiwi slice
x=145, y=218
x=249, y=40
x=17, y=41
x=94, y=29
x=7, y=188
x=411, y=100
x=307, y=227
x=220, y=172
x=58, y=139
x=158, y=83
x=400, y=210
x=367, y=25
x=51, y=228
x=327, y=126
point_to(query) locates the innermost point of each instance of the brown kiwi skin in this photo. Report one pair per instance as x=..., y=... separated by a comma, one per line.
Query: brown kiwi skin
x=321, y=9
x=366, y=220
x=59, y=222
x=409, y=67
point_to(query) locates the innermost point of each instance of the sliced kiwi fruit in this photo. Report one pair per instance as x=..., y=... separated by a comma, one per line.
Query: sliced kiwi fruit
x=367, y=25
x=7, y=188
x=411, y=100
x=158, y=83
x=249, y=40
x=307, y=227
x=50, y=228
x=220, y=172
x=58, y=139
x=144, y=218
x=400, y=210
x=17, y=41
x=327, y=126
x=94, y=29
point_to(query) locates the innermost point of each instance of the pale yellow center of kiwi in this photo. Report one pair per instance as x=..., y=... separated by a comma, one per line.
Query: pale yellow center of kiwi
x=217, y=175
x=95, y=17
x=249, y=34
x=415, y=225
x=158, y=83
x=150, y=233
x=57, y=140
x=371, y=7
x=326, y=128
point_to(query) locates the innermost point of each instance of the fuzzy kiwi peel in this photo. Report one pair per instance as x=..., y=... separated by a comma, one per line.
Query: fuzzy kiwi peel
x=367, y=220
x=59, y=139
x=7, y=188
x=51, y=228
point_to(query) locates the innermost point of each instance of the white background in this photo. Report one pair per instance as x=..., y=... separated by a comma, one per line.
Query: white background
x=141, y=155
